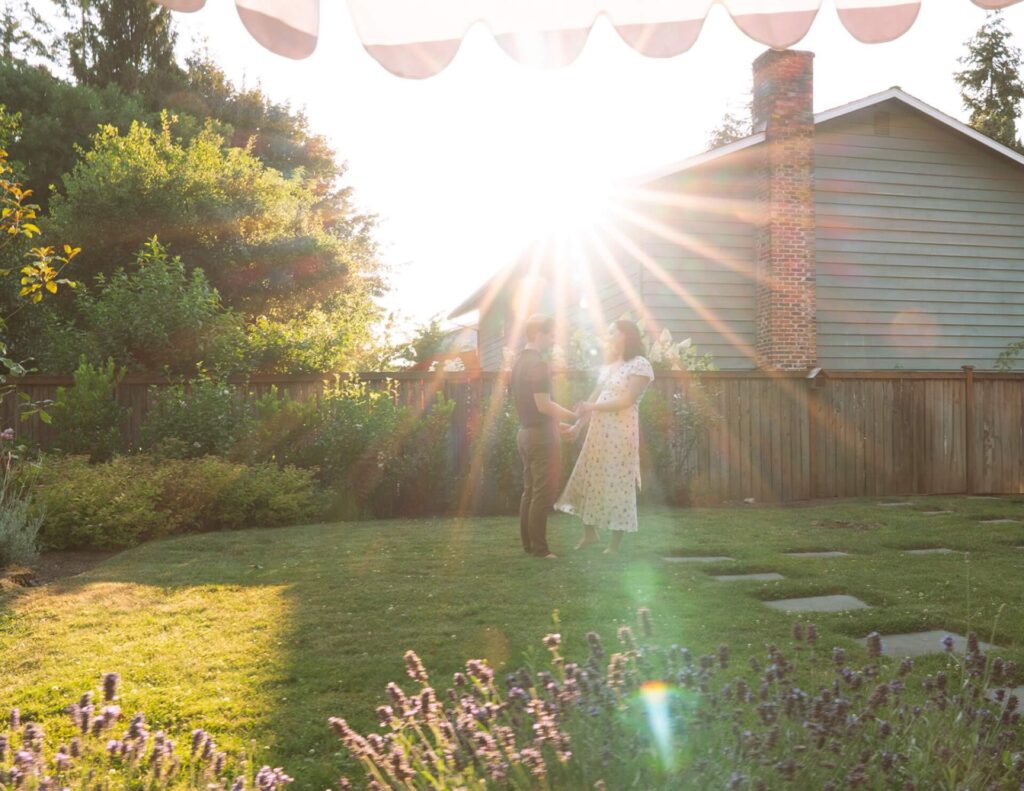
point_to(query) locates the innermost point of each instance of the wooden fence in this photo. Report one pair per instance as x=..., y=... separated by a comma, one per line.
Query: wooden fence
x=778, y=437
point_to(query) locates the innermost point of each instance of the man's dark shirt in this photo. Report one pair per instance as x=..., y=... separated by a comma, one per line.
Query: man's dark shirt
x=530, y=375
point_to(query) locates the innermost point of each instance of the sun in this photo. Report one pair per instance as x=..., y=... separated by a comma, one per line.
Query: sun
x=571, y=203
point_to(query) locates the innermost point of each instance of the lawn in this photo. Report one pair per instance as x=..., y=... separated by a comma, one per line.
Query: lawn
x=260, y=635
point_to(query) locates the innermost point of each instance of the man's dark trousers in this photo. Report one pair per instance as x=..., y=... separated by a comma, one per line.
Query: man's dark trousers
x=541, y=452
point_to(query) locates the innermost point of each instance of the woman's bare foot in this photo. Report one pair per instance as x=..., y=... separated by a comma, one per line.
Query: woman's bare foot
x=589, y=538
x=614, y=544
x=551, y=556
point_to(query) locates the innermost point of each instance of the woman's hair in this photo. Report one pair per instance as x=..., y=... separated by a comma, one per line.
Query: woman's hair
x=632, y=345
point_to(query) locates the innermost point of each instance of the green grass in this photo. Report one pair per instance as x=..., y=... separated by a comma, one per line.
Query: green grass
x=260, y=635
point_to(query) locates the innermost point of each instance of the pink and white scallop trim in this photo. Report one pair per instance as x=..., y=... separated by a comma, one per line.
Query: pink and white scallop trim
x=418, y=38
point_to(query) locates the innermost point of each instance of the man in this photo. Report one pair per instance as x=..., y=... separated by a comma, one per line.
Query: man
x=538, y=439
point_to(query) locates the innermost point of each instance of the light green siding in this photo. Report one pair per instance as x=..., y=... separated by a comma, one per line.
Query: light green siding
x=920, y=244
x=698, y=277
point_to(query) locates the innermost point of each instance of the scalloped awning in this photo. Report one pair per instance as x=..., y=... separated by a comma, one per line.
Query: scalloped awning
x=418, y=38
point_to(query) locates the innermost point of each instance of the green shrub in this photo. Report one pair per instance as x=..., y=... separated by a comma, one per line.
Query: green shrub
x=279, y=429
x=214, y=494
x=205, y=416
x=422, y=478
x=87, y=417
x=135, y=498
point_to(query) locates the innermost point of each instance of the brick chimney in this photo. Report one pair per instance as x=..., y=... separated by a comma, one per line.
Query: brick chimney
x=783, y=109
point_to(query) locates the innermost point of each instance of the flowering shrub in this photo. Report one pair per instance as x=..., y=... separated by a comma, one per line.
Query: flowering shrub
x=108, y=752
x=644, y=716
x=134, y=498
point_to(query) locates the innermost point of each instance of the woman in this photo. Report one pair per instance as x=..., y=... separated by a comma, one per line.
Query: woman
x=603, y=485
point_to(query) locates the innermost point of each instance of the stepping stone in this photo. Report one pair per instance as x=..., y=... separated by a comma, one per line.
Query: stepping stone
x=829, y=554
x=697, y=559
x=894, y=505
x=767, y=577
x=932, y=551
x=1000, y=522
x=936, y=513
x=818, y=604
x=981, y=497
x=922, y=643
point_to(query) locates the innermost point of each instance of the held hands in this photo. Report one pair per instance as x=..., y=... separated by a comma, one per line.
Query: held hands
x=584, y=408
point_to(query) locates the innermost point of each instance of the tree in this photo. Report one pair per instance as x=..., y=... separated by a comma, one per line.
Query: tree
x=57, y=118
x=156, y=316
x=42, y=269
x=24, y=32
x=257, y=234
x=990, y=84
x=733, y=126
x=128, y=43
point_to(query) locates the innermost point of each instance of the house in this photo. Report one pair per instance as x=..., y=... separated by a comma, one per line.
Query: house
x=456, y=351
x=878, y=235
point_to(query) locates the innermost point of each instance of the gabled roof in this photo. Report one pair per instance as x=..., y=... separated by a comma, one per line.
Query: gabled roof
x=895, y=93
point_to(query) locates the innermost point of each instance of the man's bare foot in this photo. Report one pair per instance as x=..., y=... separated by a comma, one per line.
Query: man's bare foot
x=611, y=551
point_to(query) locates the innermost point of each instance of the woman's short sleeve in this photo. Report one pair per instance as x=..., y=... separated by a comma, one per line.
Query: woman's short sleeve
x=641, y=366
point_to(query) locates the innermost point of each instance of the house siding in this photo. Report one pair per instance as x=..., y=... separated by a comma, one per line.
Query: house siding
x=920, y=244
x=701, y=284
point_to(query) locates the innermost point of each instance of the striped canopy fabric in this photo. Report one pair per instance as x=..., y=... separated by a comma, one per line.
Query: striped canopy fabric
x=418, y=38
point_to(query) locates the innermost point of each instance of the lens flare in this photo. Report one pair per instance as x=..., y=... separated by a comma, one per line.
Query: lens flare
x=655, y=696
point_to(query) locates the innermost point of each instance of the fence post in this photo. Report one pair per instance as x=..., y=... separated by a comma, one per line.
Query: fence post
x=815, y=381
x=968, y=428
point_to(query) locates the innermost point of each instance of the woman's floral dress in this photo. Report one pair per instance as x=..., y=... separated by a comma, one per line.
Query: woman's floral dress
x=603, y=485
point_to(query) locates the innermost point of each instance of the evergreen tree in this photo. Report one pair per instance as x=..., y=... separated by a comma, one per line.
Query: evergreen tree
x=990, y=83
x=24, y=32
x=127, y=43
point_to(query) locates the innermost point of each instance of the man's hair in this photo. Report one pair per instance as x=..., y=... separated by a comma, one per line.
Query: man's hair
x=536, y=324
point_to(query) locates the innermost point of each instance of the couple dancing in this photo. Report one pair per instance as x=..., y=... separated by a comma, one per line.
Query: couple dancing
x=603, y=485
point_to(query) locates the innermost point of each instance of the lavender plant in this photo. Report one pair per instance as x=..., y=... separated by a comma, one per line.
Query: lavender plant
x=644, y=716
x=110, y=752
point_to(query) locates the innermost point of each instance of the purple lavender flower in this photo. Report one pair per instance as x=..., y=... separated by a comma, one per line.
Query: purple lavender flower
x=874, y=645
x=76, y=747
x=111, y=681
x=239, y=784
x=4, y=744
x=414, y=667
x=33, y=738
x=15, y=719
x=552, y=641
x=62, y=760
x=838, y=657
x=218, y=763
x=812, y=634
x=596, y=649
x=198, y=737
x=268, y=779
x=798, y=635
x=948, y=643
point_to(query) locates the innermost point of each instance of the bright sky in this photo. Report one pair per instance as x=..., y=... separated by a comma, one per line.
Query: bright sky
x=466, y=168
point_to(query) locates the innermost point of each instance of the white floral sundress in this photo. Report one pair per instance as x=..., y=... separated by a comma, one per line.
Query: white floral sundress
x=603, y=485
